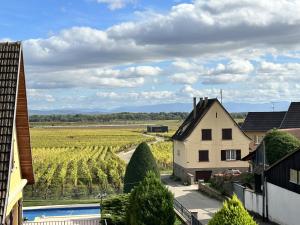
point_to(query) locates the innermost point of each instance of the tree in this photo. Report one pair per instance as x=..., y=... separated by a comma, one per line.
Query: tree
x=113, y=210
x=232, y=213
x=150, y=203
x=140, y=163
x=278, y=144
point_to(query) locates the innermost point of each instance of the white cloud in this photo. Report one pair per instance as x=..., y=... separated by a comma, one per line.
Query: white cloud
x=93, y=78
x=116, y=4
x=184, y=78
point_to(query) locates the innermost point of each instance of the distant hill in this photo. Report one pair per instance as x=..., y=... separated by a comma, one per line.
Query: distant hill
x=171, y=107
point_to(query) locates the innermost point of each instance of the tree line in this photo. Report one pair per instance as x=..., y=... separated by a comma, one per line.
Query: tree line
x=124, y=116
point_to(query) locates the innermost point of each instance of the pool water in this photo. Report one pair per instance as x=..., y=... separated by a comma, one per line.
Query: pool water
x=30, y=214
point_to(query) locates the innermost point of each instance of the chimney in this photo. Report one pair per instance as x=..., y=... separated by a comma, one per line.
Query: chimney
x=195, y=106
x=201, y=102
x=205, y=101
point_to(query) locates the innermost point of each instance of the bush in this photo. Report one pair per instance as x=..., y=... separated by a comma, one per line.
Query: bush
x=278, y=144
x=232, y=213
x=150, y=203
x=113, y=210
x=140, y=163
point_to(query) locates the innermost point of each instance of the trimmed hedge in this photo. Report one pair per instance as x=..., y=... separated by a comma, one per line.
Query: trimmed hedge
x=278, y=144
x=232, y=213
x=150, y=203
x=140, y=163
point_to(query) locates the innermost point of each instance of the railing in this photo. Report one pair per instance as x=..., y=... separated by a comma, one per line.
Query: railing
x=186, y=214
x=85, y=221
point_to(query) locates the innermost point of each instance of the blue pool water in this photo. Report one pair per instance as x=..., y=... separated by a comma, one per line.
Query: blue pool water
x=30, y=214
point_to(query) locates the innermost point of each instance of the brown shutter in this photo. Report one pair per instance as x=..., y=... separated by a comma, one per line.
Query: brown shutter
x=223, y=155
x=238, y=154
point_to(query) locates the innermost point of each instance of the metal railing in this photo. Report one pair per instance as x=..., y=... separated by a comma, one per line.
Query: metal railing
x=186, y=214
x=85, y=221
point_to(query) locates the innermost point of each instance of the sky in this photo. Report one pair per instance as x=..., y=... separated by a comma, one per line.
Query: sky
x=101, y=54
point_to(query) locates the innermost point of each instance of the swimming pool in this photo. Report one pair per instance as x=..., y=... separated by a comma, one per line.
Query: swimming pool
x=33, y=212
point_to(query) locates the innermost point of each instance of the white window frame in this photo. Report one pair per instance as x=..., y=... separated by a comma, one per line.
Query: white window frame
x=231, y=154
x=294, y=180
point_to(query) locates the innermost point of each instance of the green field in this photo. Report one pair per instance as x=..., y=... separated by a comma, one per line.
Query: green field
x=80, y=163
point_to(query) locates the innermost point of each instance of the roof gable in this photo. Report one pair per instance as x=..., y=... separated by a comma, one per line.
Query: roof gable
x=11, y=66
x=262, y=121
x=292, y=117
x=191, y=123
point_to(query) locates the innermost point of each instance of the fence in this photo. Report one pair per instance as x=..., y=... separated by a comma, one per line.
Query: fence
x=186, y=214
x=85, y=221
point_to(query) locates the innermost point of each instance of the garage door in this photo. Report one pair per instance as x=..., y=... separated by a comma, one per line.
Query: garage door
x=203, y=175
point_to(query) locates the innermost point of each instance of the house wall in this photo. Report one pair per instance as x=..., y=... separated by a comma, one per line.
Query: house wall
x=283, y=207
x=188, y=159
x=254, y=135
x=216, y=119
x=180, y=154
x=16, y=182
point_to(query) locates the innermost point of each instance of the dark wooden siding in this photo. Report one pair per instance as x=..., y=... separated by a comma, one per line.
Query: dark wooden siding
x=279, y=174
x=22, y=126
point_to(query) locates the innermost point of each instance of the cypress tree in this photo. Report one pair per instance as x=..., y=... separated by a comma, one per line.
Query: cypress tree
x=140, y=163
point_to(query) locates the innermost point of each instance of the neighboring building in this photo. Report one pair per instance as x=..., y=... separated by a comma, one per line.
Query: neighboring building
x=256, y=159
x=257, y=124
x=209, y=141
x=281, y=202
x=157, y=129
x=15, y=151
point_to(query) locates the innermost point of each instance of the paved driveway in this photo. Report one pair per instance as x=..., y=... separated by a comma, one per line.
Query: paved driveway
x=193, y=200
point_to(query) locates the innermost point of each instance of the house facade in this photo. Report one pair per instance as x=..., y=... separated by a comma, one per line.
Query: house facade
x=15, y=152
x=209, y=141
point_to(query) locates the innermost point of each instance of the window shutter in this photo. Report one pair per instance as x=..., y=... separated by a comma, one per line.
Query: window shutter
x=203, y=156
x=238, y=154
x=223, y=155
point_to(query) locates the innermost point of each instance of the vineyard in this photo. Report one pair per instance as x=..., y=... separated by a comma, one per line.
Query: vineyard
x=78, y=163
x=162, y=152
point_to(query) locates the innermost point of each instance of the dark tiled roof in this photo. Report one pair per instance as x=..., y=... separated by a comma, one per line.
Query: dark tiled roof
x=262, y=121
x=190, y=122
x=9, y=65
x=292, y=117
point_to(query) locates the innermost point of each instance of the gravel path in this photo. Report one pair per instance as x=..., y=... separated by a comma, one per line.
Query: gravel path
x=126, y=155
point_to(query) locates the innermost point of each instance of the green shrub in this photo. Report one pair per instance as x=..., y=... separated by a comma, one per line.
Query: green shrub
x=232, y=213
x=150, y=203
x=140, y=163
x=113, y=210
x=278, y=144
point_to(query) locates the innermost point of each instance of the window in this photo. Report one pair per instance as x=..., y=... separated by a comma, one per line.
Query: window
x=178, y=152
x=206, y=134
x=232, y=154
x=294, y=176
x=203, y=156
x=227, y=134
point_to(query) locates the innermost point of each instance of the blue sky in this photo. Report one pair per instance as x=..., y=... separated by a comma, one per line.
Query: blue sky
x=93, y=54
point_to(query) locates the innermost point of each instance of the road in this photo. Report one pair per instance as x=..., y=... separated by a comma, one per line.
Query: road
x=193, y=200
x=126, y=155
